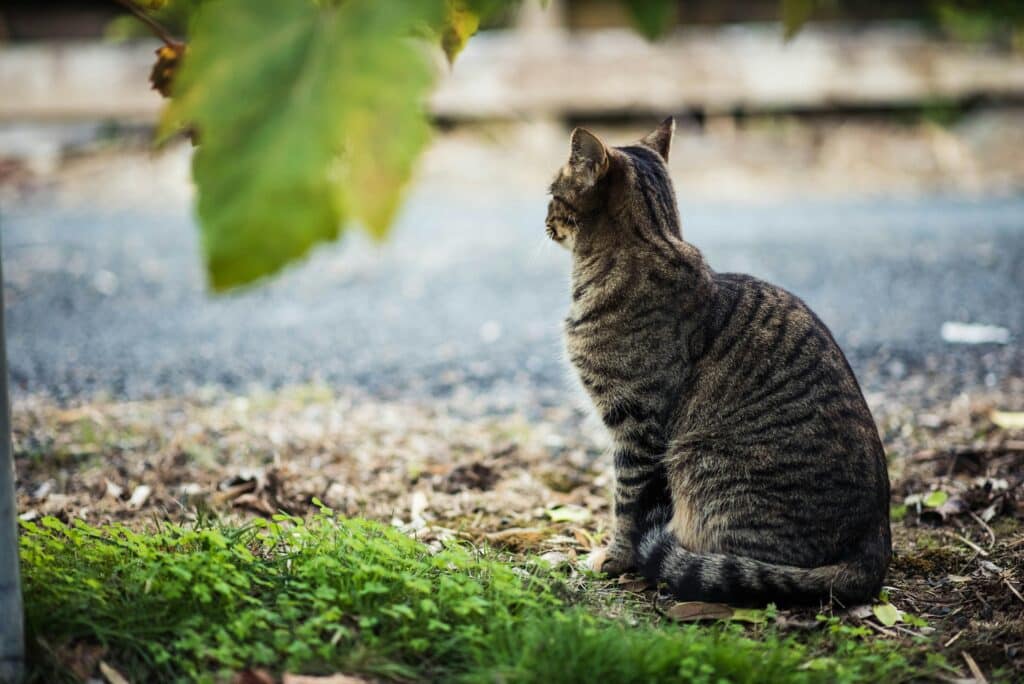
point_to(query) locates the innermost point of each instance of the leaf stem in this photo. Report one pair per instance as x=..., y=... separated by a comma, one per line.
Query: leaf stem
x=158, y=29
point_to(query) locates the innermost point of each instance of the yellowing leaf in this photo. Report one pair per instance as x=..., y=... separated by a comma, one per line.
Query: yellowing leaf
x=753, y=616
x=936, y=499
x=795, y=14
x=820, y=664
x=1008, y=420
x=460, y=23
x=307, y=115
x=886, y=613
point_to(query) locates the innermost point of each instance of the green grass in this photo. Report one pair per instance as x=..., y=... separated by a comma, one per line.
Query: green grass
x=346, y=595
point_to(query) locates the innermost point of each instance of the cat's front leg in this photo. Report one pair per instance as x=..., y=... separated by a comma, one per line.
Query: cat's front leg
x=641, y=501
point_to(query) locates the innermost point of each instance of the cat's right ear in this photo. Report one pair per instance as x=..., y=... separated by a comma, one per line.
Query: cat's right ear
x=589, y=156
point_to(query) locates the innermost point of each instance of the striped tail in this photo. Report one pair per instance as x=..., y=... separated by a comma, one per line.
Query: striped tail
x=738, y=580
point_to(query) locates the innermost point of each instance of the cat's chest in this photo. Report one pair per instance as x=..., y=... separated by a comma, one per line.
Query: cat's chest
x=609, y=351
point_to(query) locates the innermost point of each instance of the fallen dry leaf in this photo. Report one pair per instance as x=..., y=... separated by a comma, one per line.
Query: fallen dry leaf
x=950, y=507
x=253, y=676
x=139, y=496
x=254, y=503
x=569, y=513
x=113, y=490
x=517, y=538
x=417, y=505
x=696, y=611
x=81, y=659
x=861, y=612
x=111, y=675
x=634, y=584
x=234, y=491
x=555, y=557
x=1008, y=420
x=583, y=538
x=327, y=679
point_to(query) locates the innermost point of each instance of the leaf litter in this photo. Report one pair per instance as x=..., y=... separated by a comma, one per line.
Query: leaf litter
x=537, y=489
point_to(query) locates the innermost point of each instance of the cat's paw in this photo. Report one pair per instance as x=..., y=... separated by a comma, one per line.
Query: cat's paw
x=612, y=561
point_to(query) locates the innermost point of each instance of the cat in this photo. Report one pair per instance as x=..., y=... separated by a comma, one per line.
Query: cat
x=748, y=468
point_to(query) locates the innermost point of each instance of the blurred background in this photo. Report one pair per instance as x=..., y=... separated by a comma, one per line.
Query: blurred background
x=872, y=164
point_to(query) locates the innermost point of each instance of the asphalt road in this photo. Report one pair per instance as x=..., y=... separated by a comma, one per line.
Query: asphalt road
x=468, y=295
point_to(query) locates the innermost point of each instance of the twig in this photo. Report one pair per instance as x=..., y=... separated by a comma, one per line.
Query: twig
x=904, y=630
x=1006, y=581
x=973, y=667
x=951, y=641
x=966, y=541
x=879, y=628
x=984, y=525
x=154, y=26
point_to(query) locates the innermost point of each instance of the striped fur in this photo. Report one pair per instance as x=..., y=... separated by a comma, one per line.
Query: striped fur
x=748, y=466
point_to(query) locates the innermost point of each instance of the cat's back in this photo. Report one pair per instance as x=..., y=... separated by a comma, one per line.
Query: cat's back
x=766, y=353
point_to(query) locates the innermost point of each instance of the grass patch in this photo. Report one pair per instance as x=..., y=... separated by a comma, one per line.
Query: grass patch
x=346, y=595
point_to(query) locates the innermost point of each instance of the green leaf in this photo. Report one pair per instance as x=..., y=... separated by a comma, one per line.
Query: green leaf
x=936, y=499
x=652, y=17
x=886, y=613
x=752, y=615
x=914, y=621
x=820, y=664
x=306, y=116
x=796, y=13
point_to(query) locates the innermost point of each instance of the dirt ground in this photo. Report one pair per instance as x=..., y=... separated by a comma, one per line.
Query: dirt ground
x=533, y=488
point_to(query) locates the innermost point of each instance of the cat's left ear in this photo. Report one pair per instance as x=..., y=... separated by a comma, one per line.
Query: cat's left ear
x=589, y=156
x=660, y=139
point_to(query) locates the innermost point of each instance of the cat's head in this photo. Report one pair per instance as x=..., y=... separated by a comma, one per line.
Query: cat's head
x=597, y=174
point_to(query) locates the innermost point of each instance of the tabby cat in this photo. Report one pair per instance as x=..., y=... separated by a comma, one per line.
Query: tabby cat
x=748, y=466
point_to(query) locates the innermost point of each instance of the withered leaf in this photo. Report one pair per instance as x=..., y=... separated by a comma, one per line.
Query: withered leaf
x=517, y=538
x=168, y=58
x=697, y=611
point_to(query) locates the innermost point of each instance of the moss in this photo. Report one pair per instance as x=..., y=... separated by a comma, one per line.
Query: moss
x=928, y=561
x=1005, y=525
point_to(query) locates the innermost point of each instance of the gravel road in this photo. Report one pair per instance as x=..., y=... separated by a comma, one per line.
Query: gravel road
x=108, y=297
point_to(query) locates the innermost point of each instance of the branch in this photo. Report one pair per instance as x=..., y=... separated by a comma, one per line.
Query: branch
x=154, y=26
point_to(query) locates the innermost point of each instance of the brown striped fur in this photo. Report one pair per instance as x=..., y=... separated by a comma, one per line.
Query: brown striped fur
x=748, y=466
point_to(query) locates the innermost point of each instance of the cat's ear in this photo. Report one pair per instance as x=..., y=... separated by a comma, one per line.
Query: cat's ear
x=589, y=154
x=660, y=139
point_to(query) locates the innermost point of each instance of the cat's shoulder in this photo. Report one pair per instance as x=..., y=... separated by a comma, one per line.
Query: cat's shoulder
x=731, y=287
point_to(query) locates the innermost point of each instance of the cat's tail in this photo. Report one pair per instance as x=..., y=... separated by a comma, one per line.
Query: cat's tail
x=744, y=581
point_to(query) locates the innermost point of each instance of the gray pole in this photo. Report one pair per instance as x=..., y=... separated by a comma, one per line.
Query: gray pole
x=12, y=635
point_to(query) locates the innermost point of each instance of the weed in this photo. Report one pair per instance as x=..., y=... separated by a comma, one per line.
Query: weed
x=333, y=594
